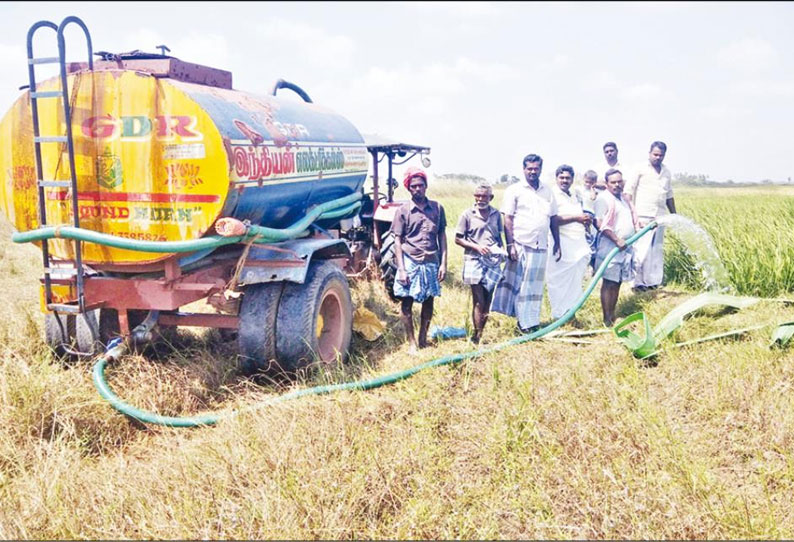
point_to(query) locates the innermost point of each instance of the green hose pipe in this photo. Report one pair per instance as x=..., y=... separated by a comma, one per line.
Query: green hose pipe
x=331, y=209
x=114, y=350
x=337, y=213
x=645, y=346
x=147, y=417
x=272, y=234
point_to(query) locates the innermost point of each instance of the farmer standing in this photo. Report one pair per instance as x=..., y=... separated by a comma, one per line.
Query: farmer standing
x=530, y=212
x=615, y=217
x=420, y=248
x=479, y=232
x=651, y=192
x=564, y=275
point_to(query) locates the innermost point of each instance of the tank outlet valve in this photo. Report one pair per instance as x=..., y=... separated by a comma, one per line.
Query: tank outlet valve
x=143, y=332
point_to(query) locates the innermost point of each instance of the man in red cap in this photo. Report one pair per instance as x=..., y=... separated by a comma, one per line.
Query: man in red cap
x=420, y=248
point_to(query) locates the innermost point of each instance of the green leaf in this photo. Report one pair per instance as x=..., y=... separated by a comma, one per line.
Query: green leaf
x=782, y=334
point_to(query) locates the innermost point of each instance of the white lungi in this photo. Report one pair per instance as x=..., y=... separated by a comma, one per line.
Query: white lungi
x=649, y=257
x=564, y=278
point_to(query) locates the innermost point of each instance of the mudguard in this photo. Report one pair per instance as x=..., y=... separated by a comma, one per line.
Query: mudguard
x=289, y=260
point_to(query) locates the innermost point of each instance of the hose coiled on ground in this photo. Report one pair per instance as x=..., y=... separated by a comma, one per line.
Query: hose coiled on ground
x=115, y=349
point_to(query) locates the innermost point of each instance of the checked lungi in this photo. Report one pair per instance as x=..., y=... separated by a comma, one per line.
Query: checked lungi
x=485, y=270
x=423, y=280
x=520, y=292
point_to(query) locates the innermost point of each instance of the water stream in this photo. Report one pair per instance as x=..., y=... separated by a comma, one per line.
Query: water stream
x=700, y=246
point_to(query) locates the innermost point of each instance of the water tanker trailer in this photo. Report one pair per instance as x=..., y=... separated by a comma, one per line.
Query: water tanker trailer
x=150, y=183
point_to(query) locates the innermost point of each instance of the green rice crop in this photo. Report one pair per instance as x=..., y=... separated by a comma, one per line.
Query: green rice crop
x=753, y=231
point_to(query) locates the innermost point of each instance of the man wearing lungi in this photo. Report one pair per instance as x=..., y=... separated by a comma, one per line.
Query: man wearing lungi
x=479, y=232
x=530, y=212
x=616, y=218
x=420, y=248
x=564, y=275
x=651, y=193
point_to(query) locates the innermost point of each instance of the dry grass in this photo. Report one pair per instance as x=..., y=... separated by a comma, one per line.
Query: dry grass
x=542, y=440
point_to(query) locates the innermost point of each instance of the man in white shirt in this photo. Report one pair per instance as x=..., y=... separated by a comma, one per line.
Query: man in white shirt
x=530, y=212
x=651, y=192
x=564, y=276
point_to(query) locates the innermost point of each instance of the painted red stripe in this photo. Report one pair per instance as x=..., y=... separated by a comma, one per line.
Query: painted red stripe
x=142, y=197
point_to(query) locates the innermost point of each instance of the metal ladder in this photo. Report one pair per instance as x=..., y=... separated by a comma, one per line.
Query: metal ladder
x=38, y=139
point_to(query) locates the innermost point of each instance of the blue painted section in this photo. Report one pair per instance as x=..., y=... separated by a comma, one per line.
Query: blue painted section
x=224, y=107
x=196, y=256
x=288, y=260
x=281, y=205
x=278, y=204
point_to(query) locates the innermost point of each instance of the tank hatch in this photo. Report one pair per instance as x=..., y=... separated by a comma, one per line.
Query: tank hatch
x=159, y=65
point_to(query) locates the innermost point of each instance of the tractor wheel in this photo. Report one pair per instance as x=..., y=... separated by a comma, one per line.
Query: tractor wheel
x=315, y=319
x=59, y=334
x=388, y=265
x=256, y=336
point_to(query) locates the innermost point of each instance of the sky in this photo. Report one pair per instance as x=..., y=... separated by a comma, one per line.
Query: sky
x=484, y=84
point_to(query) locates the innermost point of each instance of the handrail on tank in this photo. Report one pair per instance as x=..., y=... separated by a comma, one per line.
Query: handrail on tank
x=281, y=83
x=34, y=107
x=62, y=41
x=32, y=31
x=67, y=113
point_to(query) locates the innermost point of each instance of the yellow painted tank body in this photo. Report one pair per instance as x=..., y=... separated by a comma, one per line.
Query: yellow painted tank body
x=160, y=160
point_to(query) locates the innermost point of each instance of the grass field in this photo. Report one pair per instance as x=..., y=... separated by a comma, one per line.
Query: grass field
x=548, y=439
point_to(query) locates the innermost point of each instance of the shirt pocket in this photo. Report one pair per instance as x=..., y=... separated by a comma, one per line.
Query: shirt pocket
x=429, y=227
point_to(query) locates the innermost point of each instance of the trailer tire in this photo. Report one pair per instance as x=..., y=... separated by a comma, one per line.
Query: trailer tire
x=388, y=265
x=87, y=332
x=59, y=333
x=315, y=319
x=256, y=336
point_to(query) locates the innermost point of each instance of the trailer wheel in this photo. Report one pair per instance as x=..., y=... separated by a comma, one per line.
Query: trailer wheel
x=315, y=319
x=87, y=332
x=59, y=333
x=388, y=265
x=256, y=336
x=96, y=328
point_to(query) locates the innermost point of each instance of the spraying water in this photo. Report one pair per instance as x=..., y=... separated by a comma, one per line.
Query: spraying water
x=700, y=246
